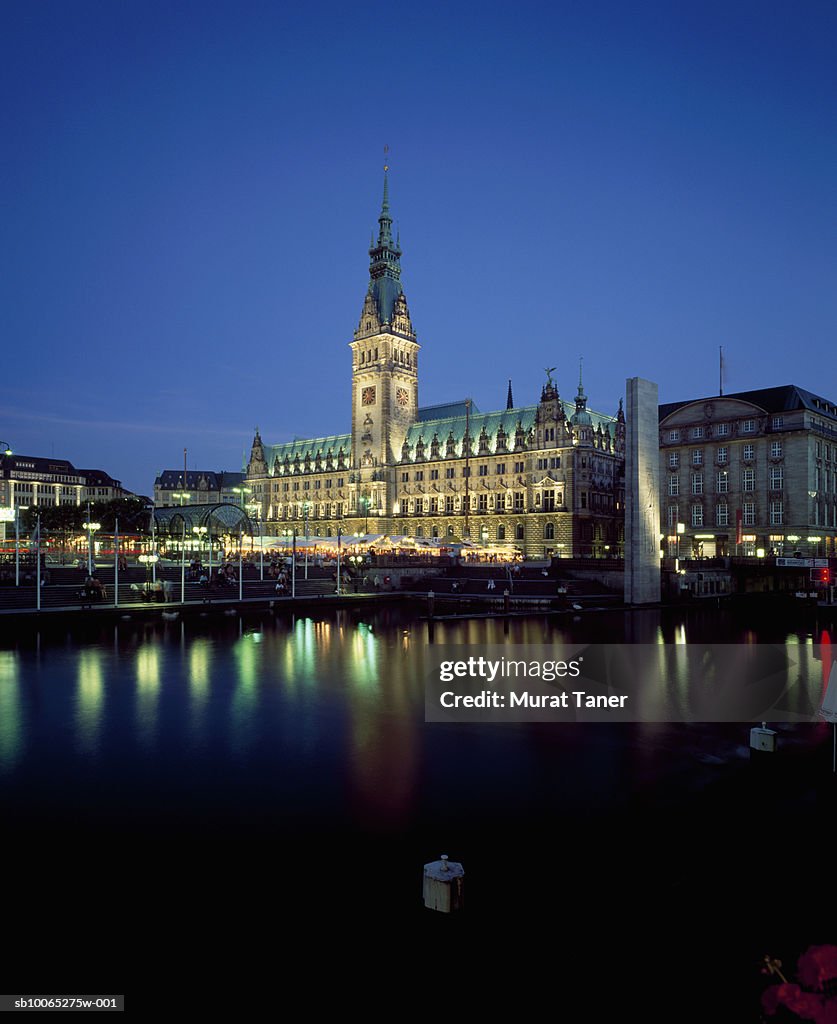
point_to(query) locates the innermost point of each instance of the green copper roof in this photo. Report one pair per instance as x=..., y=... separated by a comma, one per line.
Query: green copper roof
x=443, y=427
x=275, y=454
x=446, y=410
x=447, y=425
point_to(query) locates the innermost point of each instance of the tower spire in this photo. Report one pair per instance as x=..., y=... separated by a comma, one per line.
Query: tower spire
x=385, y=259
x=385, y=220
x=509, y=399
x=580, y=398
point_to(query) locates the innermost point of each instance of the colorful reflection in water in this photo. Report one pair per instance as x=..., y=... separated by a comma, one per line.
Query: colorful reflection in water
x=326, y=714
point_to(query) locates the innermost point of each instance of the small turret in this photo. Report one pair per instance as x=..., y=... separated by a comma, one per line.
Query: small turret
x=257, y=464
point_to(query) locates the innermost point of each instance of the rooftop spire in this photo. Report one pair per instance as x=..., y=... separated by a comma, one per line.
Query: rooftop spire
x=509, y=399
x=385, y=259
x=385, y=221
x=581, y=398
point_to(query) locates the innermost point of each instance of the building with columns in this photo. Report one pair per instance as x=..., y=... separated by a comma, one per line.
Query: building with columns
x=547, y=478
x=33, y=481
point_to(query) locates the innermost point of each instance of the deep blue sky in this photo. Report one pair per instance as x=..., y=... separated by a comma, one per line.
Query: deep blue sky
x=188, y=191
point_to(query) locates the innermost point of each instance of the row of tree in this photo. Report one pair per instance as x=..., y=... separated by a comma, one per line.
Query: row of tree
x=66, y=520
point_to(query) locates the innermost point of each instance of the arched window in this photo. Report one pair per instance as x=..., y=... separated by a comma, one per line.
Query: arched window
x=549, y=531
x=518, y=532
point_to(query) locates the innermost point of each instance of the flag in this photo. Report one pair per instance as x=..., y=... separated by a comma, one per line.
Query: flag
x=739, y=523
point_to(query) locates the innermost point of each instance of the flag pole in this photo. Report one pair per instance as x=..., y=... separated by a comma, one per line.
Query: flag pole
x=116, y=562
x=38, y=561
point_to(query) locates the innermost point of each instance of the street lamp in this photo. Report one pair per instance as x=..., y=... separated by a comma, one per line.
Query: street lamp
x=5, y=451
x=290, y=537
x=199, y=532
x=255, y=508
x=91, y=531
x=182, y=495
x=241, y=491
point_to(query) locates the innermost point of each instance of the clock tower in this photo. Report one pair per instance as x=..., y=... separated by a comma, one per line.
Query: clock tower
x=384, y=373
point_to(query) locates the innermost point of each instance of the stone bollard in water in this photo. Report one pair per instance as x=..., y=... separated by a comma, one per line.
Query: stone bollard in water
x=444, y=885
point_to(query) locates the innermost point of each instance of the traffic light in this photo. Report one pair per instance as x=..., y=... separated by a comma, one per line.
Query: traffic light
x=821, y=576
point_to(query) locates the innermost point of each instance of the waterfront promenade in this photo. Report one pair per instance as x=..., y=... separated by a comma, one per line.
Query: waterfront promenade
x=489, y=587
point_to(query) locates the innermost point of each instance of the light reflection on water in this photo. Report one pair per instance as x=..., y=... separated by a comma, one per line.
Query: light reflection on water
x=90, y=699
x=11, y=725
x=148, y=658
x=332, y=706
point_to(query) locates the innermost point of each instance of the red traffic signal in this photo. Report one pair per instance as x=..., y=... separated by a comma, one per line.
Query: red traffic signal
x=822, y=576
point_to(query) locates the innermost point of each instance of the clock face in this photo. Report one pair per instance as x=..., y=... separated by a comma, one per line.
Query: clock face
x=402, y=396
x=368, y=397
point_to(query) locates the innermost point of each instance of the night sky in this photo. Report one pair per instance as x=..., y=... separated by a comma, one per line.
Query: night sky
x=188, y=191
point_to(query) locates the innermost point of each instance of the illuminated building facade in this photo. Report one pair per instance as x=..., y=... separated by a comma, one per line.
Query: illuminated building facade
x=32, y=481
x=750, y=473
x=198, y=487
x=547, y=478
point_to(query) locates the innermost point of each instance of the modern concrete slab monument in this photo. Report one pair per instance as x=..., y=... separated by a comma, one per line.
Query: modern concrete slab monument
x=642, y=493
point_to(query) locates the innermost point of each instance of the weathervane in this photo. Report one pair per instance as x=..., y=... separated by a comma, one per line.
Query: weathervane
x=386, y=157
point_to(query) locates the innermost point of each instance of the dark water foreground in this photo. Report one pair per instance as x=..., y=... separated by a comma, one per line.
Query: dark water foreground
x=196, y=799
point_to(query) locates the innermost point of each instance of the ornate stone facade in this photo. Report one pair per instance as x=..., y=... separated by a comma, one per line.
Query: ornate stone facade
x=547, y=478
